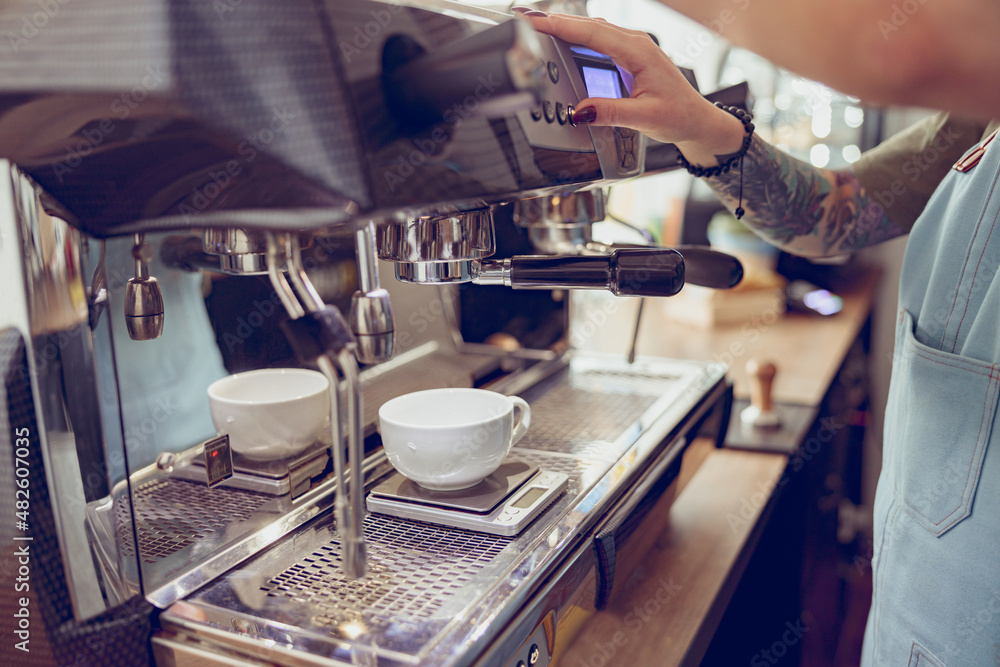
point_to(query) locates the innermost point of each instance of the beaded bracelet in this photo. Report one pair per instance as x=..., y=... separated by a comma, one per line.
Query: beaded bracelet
x=724, y=167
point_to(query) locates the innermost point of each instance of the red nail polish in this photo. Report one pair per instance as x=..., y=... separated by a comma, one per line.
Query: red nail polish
x=535, y=12
x=585, y=116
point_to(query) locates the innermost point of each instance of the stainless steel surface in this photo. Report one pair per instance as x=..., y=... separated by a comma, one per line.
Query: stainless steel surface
x=561, y=224
x=250, y=264
x=233, y=242
x=433, y=559
x=172, y=514
x=43, y=261
x=492, y=272
x=187, y=569
x=239, y=251
x=51, y=250
x=438, y=596
x=435, y=273
x=437, y=249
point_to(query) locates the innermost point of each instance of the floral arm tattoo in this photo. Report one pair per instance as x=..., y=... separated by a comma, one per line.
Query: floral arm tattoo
x=801, y=208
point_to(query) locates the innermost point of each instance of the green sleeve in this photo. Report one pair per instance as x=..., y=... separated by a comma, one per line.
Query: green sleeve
x=902, y=172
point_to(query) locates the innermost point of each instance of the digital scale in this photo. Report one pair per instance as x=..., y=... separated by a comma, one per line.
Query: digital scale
x=292, y=475
x=502, y=504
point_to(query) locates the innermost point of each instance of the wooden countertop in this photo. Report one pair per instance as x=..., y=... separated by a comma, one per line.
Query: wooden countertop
x=720, y=509
x=696, y=561
x=807, y=349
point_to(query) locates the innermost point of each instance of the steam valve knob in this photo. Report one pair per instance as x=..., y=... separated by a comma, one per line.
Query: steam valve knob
x=143, y=299
x=372, y=324
x=761, y=413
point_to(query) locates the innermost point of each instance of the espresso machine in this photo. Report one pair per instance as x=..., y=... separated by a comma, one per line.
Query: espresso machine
x=190, y=190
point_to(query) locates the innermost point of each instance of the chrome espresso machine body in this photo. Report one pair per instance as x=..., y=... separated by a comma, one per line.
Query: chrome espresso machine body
x=194, y=189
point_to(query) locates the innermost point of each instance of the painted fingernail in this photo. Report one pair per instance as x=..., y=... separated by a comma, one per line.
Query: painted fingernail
x=584, y=116
x=535, y=12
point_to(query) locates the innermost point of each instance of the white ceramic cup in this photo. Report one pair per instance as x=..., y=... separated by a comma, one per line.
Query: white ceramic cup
x=451, y=439
x=272, y=413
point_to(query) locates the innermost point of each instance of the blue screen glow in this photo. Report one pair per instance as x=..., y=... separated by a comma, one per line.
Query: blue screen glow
x=601, y=82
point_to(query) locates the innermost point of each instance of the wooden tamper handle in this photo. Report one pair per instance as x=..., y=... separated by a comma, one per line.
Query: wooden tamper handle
x=760, y=412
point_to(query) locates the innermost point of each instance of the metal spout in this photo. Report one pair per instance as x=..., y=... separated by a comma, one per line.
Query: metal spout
x=371, y=310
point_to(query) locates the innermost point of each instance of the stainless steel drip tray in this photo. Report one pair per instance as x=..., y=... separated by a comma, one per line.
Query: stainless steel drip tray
x=436, y=595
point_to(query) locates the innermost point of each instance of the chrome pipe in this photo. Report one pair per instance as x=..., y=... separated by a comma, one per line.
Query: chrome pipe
x=278, y=281
x=308, y=296
x=346, y=409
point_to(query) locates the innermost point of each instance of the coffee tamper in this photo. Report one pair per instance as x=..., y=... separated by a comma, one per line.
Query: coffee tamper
x=760, y=413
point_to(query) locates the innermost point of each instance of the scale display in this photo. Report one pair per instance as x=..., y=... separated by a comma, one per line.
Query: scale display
x=503, y=504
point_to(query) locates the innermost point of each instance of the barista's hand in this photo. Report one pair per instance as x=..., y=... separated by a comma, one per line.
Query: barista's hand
x=663, y=105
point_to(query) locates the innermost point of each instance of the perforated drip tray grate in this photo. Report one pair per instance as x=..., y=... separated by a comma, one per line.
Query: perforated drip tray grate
x=413, y=569
x=432, y=591
x=172, y=514
x=591, y=411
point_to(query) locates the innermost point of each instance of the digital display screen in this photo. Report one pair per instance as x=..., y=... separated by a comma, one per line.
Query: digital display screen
x=529, y=498
x=601, y=82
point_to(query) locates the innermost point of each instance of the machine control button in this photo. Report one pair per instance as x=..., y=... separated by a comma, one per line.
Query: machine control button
x=550, y=111
x=561, y=113
x=553, y=72
x=625, y=143
x=533, y=655
x=536, y=112
x=570, y=110
x=520, y=663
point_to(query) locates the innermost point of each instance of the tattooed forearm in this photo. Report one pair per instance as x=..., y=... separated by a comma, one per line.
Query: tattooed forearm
x=801, y=208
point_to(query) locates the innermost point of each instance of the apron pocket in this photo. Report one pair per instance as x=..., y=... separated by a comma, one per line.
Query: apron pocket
x=942, y=409
x=922, y=657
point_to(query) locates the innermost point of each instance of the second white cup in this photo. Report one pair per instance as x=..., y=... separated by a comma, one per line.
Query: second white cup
x=451, y=439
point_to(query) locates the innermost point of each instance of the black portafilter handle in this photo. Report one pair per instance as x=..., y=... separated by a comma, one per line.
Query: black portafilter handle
x=624, y=272
x=702, y=265
x=710, y=268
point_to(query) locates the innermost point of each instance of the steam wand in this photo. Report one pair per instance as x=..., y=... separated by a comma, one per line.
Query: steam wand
x=319, y=334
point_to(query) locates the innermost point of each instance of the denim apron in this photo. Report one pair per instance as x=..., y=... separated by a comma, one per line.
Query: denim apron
x=936, y=558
